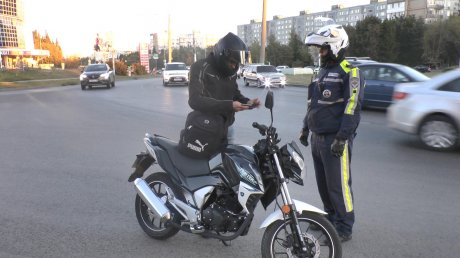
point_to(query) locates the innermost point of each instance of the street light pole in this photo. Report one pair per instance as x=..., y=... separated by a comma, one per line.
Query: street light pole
x=264, y=32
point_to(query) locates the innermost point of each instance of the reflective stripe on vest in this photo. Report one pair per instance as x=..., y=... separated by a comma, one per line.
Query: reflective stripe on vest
x=354, y=86
x=345, y=176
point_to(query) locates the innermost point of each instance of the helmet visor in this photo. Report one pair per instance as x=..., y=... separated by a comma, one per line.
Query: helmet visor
x=236, y=56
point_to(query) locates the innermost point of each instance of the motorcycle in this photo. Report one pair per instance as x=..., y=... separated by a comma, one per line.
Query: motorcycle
x=216, y=198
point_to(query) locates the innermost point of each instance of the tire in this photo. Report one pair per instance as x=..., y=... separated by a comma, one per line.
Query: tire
x=165, y=84
x=83, y=87
x=439, y=133
x=323, y=240
x=113, y=83
x=259, y=83
x=108, y=85
x=246, y=83
x=152, y=228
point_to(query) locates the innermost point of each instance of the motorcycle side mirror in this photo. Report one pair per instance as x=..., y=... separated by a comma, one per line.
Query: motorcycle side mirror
x=269, y=100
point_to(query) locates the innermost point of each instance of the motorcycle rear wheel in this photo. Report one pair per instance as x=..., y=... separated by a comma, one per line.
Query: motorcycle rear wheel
x=152, y=226
x=322, y=241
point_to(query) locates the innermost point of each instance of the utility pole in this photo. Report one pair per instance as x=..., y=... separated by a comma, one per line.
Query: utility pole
x=264, y=32
x=194, y=48
x=169, y=40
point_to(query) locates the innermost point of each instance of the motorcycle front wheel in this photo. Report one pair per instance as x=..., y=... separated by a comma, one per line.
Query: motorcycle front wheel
x=152, y=226
x=318, y=233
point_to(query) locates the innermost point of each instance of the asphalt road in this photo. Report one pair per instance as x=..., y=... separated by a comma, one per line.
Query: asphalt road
x=65, y=158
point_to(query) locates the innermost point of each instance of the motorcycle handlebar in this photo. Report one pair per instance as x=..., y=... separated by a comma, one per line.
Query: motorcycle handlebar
x=262, y=128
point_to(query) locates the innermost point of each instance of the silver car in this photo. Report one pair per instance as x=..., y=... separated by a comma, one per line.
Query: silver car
x=430, y=109
x=263, y=76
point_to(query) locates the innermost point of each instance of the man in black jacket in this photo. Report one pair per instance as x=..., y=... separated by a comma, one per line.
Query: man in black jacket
x=333, y=115
x=213, y=88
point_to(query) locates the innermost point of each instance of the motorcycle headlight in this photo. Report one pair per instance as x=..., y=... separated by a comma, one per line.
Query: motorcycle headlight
x=298, y=159
x=293, y=163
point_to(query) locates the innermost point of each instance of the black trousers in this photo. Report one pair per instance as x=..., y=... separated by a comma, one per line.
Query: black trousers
x=333, y=177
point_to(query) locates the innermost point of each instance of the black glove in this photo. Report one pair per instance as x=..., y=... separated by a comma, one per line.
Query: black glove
x=337, y=147
x=304, y=137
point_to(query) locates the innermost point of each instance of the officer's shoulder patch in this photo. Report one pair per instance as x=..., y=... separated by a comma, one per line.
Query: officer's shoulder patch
x=354, y=82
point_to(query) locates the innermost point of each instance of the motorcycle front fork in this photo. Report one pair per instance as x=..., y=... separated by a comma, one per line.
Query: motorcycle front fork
x=299, y=241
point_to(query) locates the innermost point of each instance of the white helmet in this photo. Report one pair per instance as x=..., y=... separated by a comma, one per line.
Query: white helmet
x=333, y=35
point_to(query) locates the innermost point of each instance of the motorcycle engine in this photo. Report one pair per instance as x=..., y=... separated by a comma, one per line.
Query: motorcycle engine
x=222, y=215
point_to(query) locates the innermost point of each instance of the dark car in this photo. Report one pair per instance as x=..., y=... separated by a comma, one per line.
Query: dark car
x=381, y=79
x=423, y=68
x=97, y=74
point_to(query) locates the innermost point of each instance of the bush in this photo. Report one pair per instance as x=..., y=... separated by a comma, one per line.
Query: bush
x=138, y=69
x=120, y=68
x=72, y=62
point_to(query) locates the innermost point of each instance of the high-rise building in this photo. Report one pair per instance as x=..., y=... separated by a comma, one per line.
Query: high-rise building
x=12, y=42
x=306, y=22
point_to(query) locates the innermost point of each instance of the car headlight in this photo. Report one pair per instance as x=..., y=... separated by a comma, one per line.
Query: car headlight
x=83, y=76
x=105, y=76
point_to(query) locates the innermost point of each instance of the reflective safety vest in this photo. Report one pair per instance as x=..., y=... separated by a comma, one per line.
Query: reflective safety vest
x=334, y=100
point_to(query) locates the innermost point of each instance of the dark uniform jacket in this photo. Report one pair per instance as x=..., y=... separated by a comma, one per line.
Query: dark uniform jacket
x=334, y=101
x=209, y=92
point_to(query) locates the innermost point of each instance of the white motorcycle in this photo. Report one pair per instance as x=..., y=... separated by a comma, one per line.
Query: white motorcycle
x=216, y=198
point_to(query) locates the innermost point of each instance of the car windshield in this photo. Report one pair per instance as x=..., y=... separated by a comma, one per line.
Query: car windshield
x=176, y=67
x=416, y=75
x=266, y=69
x=96, y=68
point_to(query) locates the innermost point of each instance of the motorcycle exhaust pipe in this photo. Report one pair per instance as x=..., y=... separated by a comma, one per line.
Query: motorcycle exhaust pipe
x=154, y=203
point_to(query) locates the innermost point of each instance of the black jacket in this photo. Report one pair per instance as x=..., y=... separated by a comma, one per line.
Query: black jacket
x=209, y=92
x=334, y=101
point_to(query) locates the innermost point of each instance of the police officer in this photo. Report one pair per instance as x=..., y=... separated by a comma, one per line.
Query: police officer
x=333, y=114
x=213, y=87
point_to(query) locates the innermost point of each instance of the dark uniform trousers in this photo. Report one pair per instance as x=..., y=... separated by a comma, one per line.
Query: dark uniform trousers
x=335, y=190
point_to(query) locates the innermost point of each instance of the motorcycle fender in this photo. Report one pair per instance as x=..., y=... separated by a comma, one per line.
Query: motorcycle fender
x=141, y=164
x=300, y=207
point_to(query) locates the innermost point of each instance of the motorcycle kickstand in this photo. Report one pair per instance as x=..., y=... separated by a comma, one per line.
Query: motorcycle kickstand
x=226, y=243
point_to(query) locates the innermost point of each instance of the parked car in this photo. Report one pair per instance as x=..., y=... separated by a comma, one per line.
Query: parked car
x=356, y=62
x=263, y=76
x=381, y=79
x=176, y=73
x=280, y=68
x=97, y=74
x=430, y=109
x=423, y=68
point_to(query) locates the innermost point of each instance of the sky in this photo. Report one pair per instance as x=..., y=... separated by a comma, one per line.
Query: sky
x=75, y=24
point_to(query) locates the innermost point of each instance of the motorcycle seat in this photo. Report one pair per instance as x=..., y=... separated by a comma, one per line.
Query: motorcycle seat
x=187, y=166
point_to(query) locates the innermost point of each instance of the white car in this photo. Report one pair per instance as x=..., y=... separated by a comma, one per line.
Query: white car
x=176, y=73
x=430, y=109
x=263, y=76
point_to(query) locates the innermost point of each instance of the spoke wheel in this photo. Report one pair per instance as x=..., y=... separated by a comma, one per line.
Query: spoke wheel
x=438, y=133
x=152, y=225
x=321, y=239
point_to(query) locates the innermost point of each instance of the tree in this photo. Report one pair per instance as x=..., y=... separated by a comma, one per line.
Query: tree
x=254, y=50
x=53, y=47
x=367, y=37
x=387, y=47
x=409, y=32
x=300, y=55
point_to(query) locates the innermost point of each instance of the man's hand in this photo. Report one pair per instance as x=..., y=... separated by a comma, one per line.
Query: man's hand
x=304, y=137
x=254, y=103
x=337, y=147
x=238, y=106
